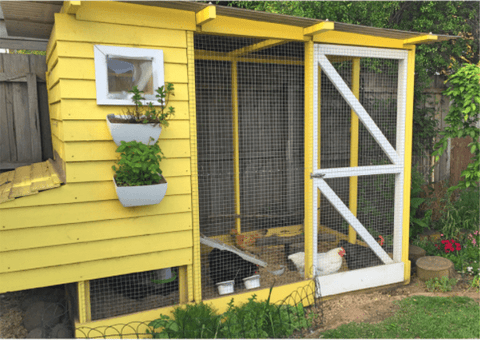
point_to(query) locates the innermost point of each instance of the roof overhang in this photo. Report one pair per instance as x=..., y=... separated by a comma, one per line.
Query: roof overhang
x=28, y=24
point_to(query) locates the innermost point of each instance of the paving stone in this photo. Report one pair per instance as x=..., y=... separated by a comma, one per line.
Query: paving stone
x=37, y=333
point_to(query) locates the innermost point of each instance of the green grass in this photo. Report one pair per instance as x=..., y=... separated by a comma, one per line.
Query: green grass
x=420, y=317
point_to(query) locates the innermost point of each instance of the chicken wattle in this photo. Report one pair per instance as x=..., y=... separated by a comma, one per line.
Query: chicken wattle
x=327, y=263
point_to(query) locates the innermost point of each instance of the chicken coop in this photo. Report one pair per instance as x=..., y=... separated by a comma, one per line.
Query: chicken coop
x=287, y=161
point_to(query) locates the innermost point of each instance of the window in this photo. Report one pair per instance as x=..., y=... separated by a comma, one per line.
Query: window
x=118, y=69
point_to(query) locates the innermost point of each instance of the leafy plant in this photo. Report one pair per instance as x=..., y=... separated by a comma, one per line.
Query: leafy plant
x=139, y=164
x=199, y=321
x=149, y=114
x=462, y=119
x=251, y=320
x=443, y=285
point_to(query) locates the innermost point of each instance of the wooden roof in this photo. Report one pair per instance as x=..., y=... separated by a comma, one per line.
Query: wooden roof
x=33, y=20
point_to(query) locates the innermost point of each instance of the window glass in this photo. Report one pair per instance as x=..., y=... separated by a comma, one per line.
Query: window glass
x=124, y=73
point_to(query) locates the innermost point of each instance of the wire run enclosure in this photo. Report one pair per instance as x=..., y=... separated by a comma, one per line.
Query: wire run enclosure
x=250, y=142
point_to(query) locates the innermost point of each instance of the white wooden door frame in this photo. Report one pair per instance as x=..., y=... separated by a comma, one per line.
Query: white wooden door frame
x=393, y=270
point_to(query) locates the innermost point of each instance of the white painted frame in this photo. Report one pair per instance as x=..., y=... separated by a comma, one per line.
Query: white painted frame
x=101, y=77
x=393, y=270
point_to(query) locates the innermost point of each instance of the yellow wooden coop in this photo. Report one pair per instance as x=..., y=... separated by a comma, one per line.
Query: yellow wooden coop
x=290, y=135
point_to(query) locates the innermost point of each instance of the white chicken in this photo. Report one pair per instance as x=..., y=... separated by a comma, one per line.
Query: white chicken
x=327, y=263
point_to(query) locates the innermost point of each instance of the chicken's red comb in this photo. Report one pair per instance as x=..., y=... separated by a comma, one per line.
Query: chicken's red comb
x=382, y=240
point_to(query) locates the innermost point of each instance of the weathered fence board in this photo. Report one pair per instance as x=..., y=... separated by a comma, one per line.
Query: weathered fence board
x=24, y=119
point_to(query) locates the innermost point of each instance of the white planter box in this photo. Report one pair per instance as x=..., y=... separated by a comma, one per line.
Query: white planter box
x=137, y=132
x=141, y=195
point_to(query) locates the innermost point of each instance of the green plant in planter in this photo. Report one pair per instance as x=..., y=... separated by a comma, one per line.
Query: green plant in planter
x=149, y=114
x=139, y=164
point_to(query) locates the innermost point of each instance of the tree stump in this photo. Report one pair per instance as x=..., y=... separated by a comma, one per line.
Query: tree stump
x=415, y=253
x=429, y=267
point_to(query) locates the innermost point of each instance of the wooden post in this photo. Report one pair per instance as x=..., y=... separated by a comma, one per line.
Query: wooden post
x=236, y=146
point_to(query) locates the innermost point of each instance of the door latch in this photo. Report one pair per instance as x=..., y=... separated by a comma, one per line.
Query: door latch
x=317, y=175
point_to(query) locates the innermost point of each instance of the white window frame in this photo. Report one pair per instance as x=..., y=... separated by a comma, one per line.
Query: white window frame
x=101, y=73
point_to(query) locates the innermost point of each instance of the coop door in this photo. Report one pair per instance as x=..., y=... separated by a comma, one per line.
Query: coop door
x=359, y=132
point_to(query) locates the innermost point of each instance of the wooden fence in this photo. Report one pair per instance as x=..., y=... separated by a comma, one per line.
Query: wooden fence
x=24, y=119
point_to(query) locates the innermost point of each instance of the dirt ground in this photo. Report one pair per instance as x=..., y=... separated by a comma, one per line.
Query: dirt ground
x=375, y=306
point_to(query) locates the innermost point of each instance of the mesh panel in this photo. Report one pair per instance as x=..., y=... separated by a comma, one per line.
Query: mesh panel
x=250, y=168
x=124, y=294
x=375, y=194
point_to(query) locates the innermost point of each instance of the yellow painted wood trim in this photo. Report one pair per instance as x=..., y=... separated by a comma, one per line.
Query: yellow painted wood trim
x=250, y=28
x=420, y=40
x=84, y=311
x=37, y=258
x=93, y=231
x=95, y=171
x=87, y=110
x=195, y=271
x=221, y=304
x=71, y=7
x=206, y=15
x=318, y=28
x=256, y=47
x=136, y=15
x=352, y=234
x=319, y=138
x=52, y=42
x=250, y=59
x=81, y=271
x=308, y=184
x=88, y=212
x=354, y=39
x=236, y=145
x=408, y=162
x=70, y=29
x=182, y=285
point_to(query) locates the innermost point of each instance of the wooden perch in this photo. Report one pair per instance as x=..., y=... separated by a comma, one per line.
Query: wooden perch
x=222, y=246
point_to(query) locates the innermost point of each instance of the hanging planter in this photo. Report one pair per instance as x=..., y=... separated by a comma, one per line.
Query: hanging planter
x=144, y=122
x=126, y=129
x=141, y=195
x=138, y=179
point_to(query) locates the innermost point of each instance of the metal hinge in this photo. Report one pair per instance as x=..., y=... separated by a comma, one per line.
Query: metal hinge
x=317, y=175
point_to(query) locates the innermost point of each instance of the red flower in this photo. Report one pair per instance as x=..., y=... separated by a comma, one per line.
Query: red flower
x=458, y=246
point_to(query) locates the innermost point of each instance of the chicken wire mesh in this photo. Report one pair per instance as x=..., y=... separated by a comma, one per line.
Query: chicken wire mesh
x=374, y=195
x=296, y=314
x=250, y=128
x=131, y=293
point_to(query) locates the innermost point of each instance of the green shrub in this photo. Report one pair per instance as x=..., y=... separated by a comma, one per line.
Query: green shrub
x=443, y=285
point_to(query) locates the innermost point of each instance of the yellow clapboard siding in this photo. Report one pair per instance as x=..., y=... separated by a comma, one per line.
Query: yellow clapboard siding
x=87, y=212
x=90, y=192
x=58, y=146
x=343, y=38
x=85, y=89
x=55, y=112
x=93, y=231
x=105, y=150
x=56, y=126
x=243, y=27
x=52, y=59
x=102, y=170
x=92, y=270
x=72, y=49
x=51, y=43
x=35, y=258
x=69, y=29
x=54, y=94
x=87, y=109
x=97, y=130
x=147, y=16
x=84, y=69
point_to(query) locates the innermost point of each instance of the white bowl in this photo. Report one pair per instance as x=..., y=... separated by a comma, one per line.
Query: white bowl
x=252, y=281
x=225, y=287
